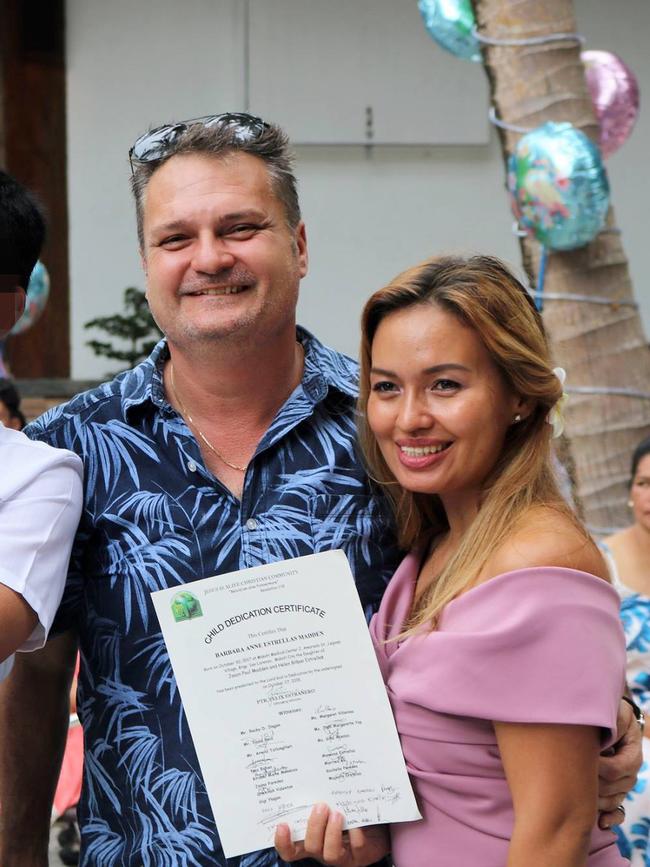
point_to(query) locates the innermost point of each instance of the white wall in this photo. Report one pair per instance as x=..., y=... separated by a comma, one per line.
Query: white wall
x=131, y=65
x=368, y=214
x=370, y=217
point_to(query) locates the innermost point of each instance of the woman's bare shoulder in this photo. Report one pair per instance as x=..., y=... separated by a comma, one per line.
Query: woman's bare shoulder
x=620, y=542
x=547, y=537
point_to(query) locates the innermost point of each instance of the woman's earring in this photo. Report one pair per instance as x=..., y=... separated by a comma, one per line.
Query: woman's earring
x=630, y=504
x=516, y=419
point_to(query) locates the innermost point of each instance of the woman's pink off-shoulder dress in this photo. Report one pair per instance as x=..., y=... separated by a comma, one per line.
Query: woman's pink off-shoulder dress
x=537, y=645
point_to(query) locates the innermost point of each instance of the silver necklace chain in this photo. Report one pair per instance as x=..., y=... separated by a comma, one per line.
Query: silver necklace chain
x=197, y=428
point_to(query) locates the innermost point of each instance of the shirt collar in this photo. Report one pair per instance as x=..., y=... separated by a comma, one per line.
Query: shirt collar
x=324, y=369
x=143, y=384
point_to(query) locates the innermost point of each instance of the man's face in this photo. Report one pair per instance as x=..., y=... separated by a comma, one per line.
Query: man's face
x=219, y=257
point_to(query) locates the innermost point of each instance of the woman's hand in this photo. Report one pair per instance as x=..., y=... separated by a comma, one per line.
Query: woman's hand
x=326, y=841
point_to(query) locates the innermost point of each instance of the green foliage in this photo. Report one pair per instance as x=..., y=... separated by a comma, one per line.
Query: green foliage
x=135, y=330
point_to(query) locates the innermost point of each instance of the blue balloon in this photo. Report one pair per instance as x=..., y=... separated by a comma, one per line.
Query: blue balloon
x=38, y=292
x=452, y=23
x=558, y=186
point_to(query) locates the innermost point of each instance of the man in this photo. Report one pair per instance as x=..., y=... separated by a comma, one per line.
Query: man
x=232, y=446
x=40, y=487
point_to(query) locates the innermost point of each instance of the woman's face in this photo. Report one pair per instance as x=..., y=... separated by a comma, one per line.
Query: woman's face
x=438, y=405
x=640, y=493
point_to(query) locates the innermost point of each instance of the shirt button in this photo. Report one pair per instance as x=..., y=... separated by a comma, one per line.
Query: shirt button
x=251, y=524
x=191, y=466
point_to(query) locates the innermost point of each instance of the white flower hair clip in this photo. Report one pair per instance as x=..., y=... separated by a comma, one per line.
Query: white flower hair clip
x=556, y=416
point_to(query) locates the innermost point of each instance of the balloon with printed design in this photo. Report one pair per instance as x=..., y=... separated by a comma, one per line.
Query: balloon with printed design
x=451, y=23
x=558, y=186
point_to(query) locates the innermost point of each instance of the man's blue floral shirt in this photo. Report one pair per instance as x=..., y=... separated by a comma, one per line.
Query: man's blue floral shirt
x=154, y=517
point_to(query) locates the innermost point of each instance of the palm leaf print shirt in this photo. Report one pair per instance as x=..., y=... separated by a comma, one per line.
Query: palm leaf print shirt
x=155, y=517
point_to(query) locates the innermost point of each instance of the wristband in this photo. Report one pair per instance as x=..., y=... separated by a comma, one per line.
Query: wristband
x=636, y=710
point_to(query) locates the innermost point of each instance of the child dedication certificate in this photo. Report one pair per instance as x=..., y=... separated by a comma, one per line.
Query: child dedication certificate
x=284, y=699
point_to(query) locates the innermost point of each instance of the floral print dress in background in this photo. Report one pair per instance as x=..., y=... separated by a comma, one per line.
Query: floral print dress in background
x=634, y=833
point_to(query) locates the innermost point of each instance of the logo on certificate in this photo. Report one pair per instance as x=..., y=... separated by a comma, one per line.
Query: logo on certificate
x=185, y=606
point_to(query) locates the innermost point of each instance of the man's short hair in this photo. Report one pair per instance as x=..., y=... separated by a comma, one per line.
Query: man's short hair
x=22, y=230
x=271, y=145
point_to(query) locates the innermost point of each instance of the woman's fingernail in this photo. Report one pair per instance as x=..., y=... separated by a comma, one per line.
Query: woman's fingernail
x=320, y=809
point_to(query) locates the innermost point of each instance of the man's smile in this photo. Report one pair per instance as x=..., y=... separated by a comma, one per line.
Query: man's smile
x=221, y=290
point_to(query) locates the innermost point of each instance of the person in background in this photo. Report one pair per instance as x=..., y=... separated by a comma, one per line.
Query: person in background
x=68, y=790
x=502, y=705
x=628, y=557
x=40, y=486
x=10, y=412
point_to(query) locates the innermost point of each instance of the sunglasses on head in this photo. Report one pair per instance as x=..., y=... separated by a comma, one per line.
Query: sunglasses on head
x=156, y=144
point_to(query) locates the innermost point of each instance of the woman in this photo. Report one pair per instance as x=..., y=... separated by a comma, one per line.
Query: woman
x=498, y=636
x=628, y=555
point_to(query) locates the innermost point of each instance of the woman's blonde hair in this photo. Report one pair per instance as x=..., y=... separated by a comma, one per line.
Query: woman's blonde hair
x=483, y=294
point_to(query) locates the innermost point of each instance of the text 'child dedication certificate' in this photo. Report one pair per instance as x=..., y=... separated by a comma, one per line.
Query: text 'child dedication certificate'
x=284, y=699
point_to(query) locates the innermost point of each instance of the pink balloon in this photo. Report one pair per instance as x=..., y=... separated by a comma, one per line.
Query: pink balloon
x=615, y=95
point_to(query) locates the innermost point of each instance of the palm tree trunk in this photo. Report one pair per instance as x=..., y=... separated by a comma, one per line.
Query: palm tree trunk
x=602, y=346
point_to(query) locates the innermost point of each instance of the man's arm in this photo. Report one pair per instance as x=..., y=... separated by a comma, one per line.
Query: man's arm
x=618, y=767
x=17, y=621
x=34, y=715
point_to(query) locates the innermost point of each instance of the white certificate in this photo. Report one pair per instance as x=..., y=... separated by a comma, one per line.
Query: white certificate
x=284, y=699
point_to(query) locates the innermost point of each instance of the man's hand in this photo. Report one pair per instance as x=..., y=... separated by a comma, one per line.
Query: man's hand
x=618, y=767
x=326, y=841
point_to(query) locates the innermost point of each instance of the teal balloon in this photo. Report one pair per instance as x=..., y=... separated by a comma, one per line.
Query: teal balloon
x=558, y=186
x=451, y=24
x=38, y=292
